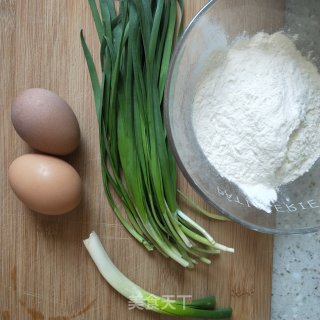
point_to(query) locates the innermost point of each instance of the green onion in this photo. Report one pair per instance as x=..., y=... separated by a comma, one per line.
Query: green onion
x=137, y=164
x=201, y=308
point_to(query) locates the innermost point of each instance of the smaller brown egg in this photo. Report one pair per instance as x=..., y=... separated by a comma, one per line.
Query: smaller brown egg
x=45, y=121
x=45, y=184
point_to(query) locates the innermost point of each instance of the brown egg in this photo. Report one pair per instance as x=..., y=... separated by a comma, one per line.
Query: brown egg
x=45, y=121
x=45, y=184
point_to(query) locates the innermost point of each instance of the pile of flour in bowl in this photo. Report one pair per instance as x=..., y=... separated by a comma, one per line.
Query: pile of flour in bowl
x=256, y=115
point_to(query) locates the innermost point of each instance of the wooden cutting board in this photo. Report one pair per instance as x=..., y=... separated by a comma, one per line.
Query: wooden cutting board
x=45, y=271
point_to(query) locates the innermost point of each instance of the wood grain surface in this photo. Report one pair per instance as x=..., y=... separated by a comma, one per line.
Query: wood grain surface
x=45, y=271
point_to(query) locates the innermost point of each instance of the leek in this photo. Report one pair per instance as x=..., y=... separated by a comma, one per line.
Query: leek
x=137, y=164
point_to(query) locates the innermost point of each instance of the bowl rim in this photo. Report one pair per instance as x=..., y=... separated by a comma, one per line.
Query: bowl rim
x=180, y=163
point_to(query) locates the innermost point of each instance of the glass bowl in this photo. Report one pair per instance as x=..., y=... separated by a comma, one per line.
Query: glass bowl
x=297, y=209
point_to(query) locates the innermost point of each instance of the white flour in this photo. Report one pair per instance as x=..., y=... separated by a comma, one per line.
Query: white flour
x=257, y=115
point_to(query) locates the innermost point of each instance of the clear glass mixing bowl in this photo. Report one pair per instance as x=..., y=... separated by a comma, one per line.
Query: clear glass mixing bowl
x=297, y=209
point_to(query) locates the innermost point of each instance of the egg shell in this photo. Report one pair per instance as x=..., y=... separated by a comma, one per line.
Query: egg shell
x=45, y=184
x=45, y=121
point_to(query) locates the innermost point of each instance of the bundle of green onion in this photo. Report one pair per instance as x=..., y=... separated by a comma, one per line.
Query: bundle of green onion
x=137, y=165
x=201, y=308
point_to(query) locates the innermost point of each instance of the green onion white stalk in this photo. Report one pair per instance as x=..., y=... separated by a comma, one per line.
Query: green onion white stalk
x=201, y=308
x=137, y=164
